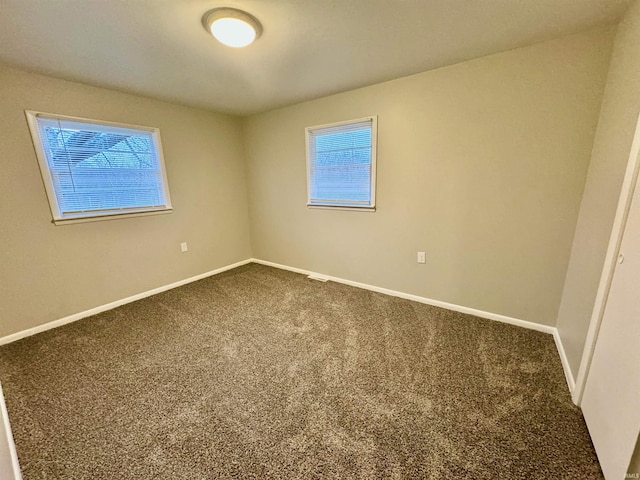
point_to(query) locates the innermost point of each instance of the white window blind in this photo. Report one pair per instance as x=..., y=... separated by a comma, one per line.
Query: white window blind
x=94, y=169
x=341, y=163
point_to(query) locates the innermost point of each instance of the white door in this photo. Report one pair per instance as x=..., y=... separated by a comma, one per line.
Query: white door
x=611, y=401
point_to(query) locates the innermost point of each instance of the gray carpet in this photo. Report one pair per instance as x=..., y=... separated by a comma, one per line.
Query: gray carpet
x=263, y=373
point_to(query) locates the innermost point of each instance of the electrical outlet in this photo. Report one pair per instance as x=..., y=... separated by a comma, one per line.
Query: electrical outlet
x=422, y=257
x=183, y=247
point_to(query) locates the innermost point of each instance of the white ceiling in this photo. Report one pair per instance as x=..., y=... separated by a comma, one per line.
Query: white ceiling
x=309, y=48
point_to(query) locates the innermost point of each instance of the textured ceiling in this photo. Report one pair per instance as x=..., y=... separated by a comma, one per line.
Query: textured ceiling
x=309, y=48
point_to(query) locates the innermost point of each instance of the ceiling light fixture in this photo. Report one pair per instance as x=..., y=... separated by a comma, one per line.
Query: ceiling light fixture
x=231, y=26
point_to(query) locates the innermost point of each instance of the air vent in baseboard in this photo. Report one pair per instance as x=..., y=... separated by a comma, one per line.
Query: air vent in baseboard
x=315, y=277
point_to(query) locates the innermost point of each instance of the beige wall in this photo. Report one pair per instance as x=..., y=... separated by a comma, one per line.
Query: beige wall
x=612, y=145
x=481, y=164
x=48, y=272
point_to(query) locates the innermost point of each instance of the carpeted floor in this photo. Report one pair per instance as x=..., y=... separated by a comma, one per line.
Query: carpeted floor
x=263, y=373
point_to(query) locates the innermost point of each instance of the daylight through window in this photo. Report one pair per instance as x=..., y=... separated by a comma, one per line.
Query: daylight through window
x=95, y=169
x=341, y=164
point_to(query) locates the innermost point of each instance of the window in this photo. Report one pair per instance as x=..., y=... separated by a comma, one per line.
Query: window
x=94, y=170
x=341, y=164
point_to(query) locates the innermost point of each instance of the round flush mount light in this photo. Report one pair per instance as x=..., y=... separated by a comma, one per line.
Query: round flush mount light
x=232, y=27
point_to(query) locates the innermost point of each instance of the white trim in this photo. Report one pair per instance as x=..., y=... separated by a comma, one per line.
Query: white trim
x=317, y=206
x=102, y=308
x=319, y=279
x=408, y=296
x=60, y=218
x=71, y=118
x=449, y=306
x=5, y=429
x=565, y=362
x=316, y=276
x=617, y=232
x=111, y=216
x=371, y=206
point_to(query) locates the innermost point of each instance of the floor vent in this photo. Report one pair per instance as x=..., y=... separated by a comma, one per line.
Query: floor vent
x=315, y=277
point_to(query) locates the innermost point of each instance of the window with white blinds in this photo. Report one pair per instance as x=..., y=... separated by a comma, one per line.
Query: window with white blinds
x=93, y=169
x=341, y=164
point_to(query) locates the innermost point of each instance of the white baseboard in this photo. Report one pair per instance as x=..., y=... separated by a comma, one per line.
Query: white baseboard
x=449, y=306
x=571, y=383
x=436, y=303
x=102, y=308
x=8, y=455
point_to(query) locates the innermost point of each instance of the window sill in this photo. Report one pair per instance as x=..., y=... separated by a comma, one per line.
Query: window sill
x=111, y=216
x=341, y=207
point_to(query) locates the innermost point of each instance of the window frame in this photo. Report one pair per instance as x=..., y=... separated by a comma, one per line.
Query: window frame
x=58, y=217
x=371, y=207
